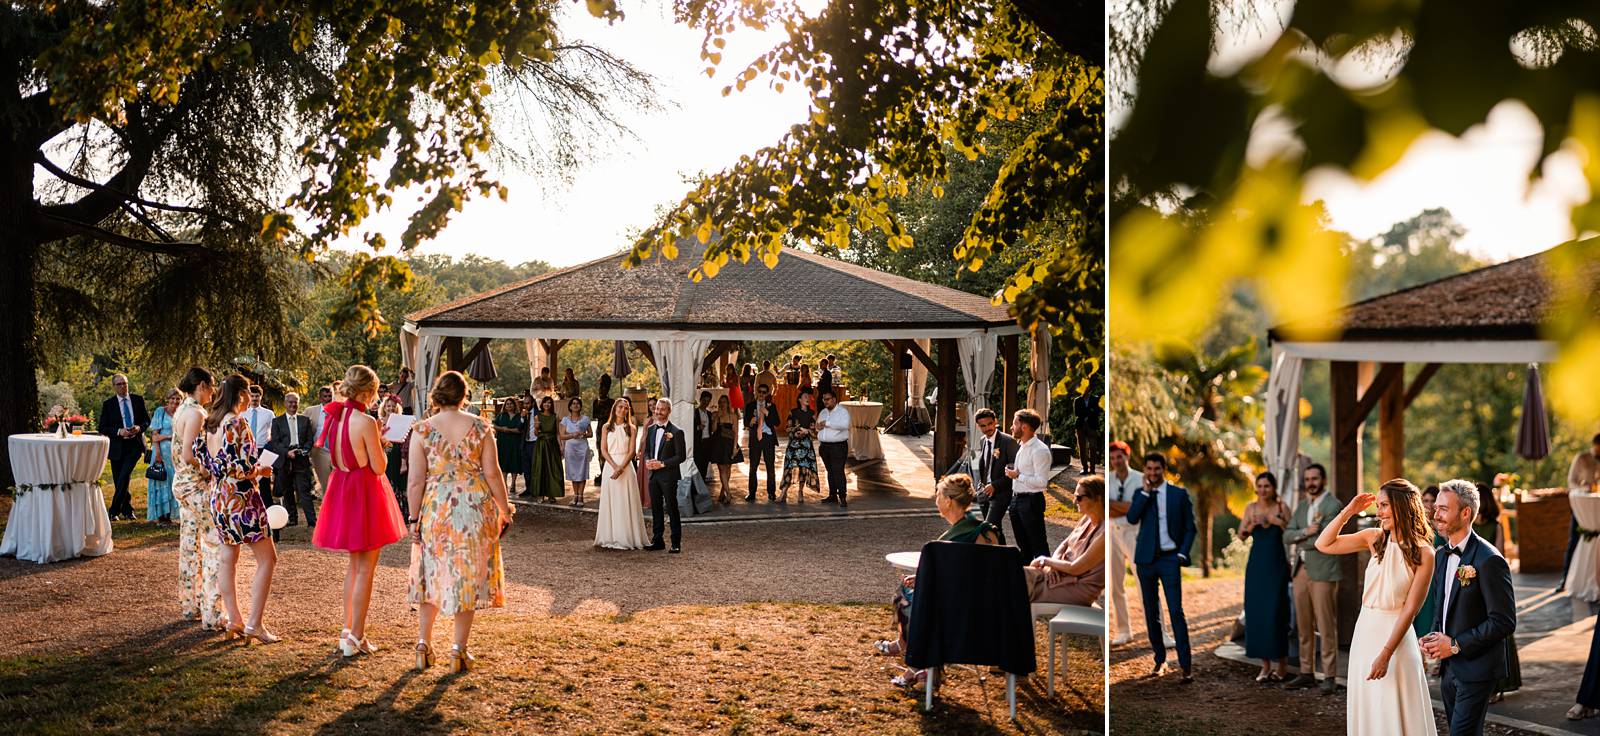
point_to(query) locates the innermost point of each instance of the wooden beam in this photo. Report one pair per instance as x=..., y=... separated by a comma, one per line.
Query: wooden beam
x=1344, y=478
x=944, y=424
x=1392, y=430
x=479, y=347
x=898, y=383
x=1390, y=374
x=916, y=350
x=452, y=352
x=1420, y=382
x=1010, y=397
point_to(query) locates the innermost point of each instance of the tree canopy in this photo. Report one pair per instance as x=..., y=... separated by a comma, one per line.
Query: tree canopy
x=1235, y=142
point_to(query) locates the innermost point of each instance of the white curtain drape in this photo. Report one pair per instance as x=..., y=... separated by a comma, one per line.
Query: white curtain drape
x=1283, y=421
x=917, y=392
x=678, y=362
x=977, y=369
x=1039, y=373
x=427, y=361
x=410, y=342
x=537, y=358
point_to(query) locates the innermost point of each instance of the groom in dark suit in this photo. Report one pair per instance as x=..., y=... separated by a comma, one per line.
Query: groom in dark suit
x=124, y=420
x=664, y=452
x=996, y=450
x=1165, y=518
x=1477, y=610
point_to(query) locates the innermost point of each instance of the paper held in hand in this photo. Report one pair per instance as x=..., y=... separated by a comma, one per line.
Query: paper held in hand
x=267, y=459
x=398, y=425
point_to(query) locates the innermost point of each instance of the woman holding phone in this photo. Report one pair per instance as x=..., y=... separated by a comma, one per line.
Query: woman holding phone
x=460, y=509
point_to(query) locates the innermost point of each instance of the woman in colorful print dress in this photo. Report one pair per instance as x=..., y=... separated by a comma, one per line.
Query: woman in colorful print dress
x=229, y=451
x=461, y=511
x=199, y=548
x=359, y=513
x=800, y=456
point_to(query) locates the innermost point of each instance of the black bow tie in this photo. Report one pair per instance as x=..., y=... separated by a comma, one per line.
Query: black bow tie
x=1453, y=551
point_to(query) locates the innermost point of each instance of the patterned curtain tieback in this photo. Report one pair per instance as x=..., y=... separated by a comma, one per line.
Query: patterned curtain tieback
x=1588, y=534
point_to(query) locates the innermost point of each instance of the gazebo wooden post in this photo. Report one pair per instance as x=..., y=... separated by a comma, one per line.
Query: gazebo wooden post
x=1010, y=398
x=944, y=423
x=898, y=387
x=1344, y=478
x=1392, y=428
x=452, y=353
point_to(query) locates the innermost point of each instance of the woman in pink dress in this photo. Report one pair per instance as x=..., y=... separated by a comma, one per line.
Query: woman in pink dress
x=359, y=514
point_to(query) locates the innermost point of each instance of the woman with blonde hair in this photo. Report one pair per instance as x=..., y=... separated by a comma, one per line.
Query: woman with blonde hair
x=229, y=451
x=461, y=509
x=359, y=513
x=621, y=522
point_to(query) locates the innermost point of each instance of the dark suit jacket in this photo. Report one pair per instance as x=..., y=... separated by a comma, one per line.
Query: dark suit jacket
x=771, y=419
x=1007, y=447
x=280, y=443
x=111, y=421
x=1483, y=613
x=672, y=452
x=824, y=383
x=1180, y=524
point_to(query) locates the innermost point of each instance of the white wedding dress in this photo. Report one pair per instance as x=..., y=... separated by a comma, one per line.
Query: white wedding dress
x=1398, y=704
x=621, y=523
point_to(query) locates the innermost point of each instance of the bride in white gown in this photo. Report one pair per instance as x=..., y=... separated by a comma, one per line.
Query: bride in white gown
x=1387, y=686
x=621, y=523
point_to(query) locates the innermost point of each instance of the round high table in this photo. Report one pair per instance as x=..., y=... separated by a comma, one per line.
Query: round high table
x=1581, y=581
x=906, y=561
x=864, y=416
x=59, y=512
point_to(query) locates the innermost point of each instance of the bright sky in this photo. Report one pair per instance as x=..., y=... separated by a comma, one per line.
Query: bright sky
x=1481, y=177
x=699, y=130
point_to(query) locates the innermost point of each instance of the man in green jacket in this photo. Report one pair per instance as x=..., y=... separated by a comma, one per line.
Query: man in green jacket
x=1316, y=581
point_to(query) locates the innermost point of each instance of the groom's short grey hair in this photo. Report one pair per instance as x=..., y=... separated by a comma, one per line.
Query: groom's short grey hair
x=1467, y=490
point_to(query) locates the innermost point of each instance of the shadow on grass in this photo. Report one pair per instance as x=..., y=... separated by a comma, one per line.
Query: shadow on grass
x=1036, y=713
x=383, y=713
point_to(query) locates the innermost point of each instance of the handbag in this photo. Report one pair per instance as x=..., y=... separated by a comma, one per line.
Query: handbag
x=156, y=472
x=693, y=495
x=738, y=454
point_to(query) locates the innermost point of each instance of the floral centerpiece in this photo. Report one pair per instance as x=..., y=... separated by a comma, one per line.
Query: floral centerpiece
x=61, y=422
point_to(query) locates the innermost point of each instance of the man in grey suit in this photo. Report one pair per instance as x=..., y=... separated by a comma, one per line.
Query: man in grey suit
x=292, y=437
x=1316, y=581
x=996, y=450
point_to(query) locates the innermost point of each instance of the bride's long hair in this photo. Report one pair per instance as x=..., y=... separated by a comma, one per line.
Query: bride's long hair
x=1407, y=521
x=611, y=419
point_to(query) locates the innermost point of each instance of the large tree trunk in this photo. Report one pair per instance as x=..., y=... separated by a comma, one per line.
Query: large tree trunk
x=19, y=254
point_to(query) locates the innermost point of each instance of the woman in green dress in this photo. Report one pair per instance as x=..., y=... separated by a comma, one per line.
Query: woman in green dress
x=1423, y=624
x=953, y=496
x=508, y=441
x=546, y=469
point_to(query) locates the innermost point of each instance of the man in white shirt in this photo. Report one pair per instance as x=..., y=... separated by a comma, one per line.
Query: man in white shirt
x=1030, y=476
x=321, y=460
x=833, y=425
x=1121, y=483
x=260, y=419
x=702, y=435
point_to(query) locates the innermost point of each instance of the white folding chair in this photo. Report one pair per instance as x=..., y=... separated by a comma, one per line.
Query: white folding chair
x=1081, y=620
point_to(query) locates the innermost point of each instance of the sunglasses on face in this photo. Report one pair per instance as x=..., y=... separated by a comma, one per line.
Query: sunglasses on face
x=1079, y=496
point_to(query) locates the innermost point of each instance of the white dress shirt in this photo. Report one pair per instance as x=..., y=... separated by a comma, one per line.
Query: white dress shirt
x=1033, y=467
x=260, y=419
x=1121, y=491
x=125, y=407
x=656, y=453
x=1164, y=536
x=1451, y=562
x=705, y=422
x=315, y=414
x=293, y=420
x=835, y=424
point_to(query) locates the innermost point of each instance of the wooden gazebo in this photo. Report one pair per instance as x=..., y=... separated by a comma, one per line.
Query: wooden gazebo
x=682, y=325
x=1493, y=315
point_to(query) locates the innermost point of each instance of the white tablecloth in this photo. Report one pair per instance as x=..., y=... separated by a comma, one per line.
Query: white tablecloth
x=67, y=520
x=864, y=416
x=906, y=561
x=1581, y=579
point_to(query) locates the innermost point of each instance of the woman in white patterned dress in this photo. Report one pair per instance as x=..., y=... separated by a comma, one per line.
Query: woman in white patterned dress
x=198, y=547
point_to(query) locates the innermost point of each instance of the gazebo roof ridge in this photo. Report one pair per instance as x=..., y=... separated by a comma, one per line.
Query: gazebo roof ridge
x=426, y=312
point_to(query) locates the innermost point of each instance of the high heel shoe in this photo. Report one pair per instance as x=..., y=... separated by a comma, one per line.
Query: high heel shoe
x=348, y=646
x=424, y=655
x=252, y=635
x=231, y=631
x=460, y=661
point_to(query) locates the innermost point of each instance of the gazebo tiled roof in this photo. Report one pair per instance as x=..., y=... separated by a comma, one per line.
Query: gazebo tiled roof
x=804, y=291
x=1505, y=301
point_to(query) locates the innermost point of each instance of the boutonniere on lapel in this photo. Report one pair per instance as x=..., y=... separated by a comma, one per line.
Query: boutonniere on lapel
x=995, y=452
x=1465, y=575
x=666, y=436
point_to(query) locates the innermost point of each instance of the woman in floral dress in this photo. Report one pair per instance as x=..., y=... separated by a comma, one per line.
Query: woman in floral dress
x=800, y=456
x=460, y=511
x=229, y=451
x=160, y=506
x=199, y=549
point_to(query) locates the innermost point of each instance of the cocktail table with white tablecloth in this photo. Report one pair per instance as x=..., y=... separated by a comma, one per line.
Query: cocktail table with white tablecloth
x=864, y=416
x=60, y=511
x=1581, y=581
x=907, y=561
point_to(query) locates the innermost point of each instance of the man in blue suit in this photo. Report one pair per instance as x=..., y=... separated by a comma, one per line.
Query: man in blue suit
x=1165, y=518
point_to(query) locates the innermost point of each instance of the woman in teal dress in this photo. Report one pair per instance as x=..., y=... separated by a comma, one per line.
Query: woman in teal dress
x=1423, y=625
x=1266, y=581
x=508, y=441
x=547, y=466
x=953, y=496
x=160, y=505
